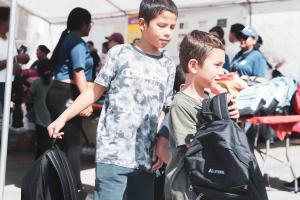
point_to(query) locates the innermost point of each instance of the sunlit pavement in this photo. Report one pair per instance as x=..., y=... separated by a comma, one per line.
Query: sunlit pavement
x=277, y=172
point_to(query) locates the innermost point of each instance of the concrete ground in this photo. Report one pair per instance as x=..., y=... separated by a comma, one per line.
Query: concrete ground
x=21, y=157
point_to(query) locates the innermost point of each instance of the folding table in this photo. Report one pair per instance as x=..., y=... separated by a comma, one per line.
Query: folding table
x=283, y=126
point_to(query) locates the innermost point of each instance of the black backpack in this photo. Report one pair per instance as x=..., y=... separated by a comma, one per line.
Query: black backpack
x=49, y=178
x=219, y=162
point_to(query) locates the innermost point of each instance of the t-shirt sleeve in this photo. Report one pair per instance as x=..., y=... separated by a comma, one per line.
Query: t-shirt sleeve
x=164, y=130
x=259, y=66
x=78, y=56
x=182, y=124
x=170, y=85
x=109, y=70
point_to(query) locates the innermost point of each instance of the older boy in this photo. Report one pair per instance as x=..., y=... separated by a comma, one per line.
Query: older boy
x=139, y=81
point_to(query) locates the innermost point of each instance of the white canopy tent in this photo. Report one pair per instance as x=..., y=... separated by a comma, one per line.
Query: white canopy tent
x=46, y=20
x=276, y=20
x=55, y=11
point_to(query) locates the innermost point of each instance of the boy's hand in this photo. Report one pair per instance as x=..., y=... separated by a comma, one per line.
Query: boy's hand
x=87, y=112
x=54, y=129
x=162, y=149
x=161, y=153
x=232, y=109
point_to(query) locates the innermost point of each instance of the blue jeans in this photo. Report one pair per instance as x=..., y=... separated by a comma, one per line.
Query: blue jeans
x=120, y=183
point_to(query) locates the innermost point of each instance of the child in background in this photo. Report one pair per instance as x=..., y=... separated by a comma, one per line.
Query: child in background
x=139, y=82
x=201, y=57
x=39, y=89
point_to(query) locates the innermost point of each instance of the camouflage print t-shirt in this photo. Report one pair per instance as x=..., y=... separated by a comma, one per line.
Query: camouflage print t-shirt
x=138, y=85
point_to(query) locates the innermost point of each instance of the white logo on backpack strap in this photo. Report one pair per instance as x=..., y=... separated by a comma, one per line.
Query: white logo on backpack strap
x=200, y=196
x=215, y=171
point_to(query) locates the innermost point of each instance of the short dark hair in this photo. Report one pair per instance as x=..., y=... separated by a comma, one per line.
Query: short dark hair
x=179, y=78
x=4, y=13
x=197, y=45
x=236, y=29
x=90, y=42
x=149, y=9
x=218, y=30
x=44, y=49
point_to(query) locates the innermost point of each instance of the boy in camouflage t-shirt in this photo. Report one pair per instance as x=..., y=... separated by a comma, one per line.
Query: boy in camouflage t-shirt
x=139, y=82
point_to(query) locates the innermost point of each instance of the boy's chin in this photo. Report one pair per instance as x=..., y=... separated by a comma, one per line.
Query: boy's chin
x=160, y=46
x=213, y=85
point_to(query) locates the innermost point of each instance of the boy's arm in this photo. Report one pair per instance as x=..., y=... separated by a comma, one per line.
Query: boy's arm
x=161, y=120
x=82, y=101
x=82, y=85
x=78, y=56
x=161, y=149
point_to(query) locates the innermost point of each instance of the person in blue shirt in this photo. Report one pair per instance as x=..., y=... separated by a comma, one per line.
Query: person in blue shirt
x=249, y=61
x=72, y=73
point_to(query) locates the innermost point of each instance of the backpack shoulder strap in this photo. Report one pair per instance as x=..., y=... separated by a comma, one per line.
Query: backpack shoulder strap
x=59, y=161
x=215, y=108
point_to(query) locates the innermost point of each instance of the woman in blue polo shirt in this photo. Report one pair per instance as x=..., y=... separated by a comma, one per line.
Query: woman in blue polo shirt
x=72, y=73
x=249, y=61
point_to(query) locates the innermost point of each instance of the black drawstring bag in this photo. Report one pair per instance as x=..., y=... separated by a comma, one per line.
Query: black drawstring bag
x=49, y=178
x=219, y=162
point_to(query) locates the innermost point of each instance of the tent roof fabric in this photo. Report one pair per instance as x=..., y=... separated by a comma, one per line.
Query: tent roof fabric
x=56, y=11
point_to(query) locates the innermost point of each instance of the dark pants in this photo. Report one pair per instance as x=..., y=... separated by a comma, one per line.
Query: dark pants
x=59, y=97
x=43, y=141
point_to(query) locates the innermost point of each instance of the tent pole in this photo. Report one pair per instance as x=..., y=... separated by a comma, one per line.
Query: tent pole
x=250, y=12
x=117, y=7
x=7, y=96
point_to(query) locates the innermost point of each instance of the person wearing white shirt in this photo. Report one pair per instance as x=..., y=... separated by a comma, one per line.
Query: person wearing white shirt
x=21, y=58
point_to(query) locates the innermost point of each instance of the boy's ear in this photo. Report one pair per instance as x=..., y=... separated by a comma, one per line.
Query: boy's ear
x=181, y=87
x=142, y=24
x=193, y=66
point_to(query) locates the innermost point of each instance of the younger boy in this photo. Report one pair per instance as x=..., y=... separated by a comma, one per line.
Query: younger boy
x=139, y=81
x=201, y=57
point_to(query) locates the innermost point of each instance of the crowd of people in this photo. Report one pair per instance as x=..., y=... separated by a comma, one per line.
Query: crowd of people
x=151, y=107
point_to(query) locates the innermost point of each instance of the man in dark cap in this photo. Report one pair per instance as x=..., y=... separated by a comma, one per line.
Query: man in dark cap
x=115, y=39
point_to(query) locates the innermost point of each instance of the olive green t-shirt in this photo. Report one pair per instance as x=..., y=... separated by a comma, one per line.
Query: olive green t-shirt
x=184, y=121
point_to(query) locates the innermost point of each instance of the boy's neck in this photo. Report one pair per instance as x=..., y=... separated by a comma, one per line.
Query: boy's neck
x=147, y=48
x=195, y=92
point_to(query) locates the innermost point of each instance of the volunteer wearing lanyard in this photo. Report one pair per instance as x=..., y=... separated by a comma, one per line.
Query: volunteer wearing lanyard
x=249, y=62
